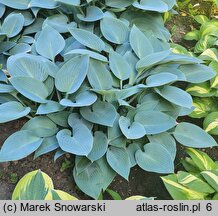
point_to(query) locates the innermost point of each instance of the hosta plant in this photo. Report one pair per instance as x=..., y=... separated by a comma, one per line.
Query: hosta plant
x=99, y=81
x=37, y=185
x=205, y=94
x=198, y=182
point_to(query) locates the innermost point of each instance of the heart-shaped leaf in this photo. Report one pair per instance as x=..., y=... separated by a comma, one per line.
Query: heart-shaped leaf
x=98, y=75
x=102, y=113
x=95, y=178
x=49, y=144
x=119, y=66
x=88, y=39
x=131, y=131
x=176, y=96
x=100, y=146
x=13, y=24
x=41, y=126
x=118, y=159
x=93, y=14
x=19, y=145
x=140, y=43
x=26, y=65
x=72, y=74
x=160, y=79
x=12, y=110
x=49, y=107
x=193, y=136
x=155, y=158
x=53, y=44
x=83, y=99
x=120, y=33
x=31, y=88
x=155, y=122
x=80, y=142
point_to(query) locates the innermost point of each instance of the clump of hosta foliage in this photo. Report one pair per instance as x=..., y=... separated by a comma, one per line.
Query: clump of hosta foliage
x=198, y=182
x=206, y=93
x=96, y=79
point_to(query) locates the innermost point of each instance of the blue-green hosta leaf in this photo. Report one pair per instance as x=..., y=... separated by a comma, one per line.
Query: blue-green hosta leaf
x=12, y=25
x=176, y=96
x=69, y=2
x=2, y=10
x=6, y=45
x=120, y=33
x=197, y=73
x=140, y=43
x=155, y=122
x=72, y=74
x=130, y=130
x=149, y=5
x=5, y=88
x=83, y=99
x=91, y=54
x=76, y=118
x=180, y=59
x=119, y=66
x=102, y=113
x=49, y=107
x=98, y=75
x=49, y=144
x=12, y=110
x=155, y=158
x=93, y=14
x=132, y=149
x=3, y=77
x=212, y=178
x=118, y=3
x=26, y=65
x=114, y=132
x=53, y=44
x=21, y=4
x=41, y=126
x=193, y=136
x=35, y=27
x=97, y=177
x=100, y=146
x=194, y=183
x=160, y=79
x=88, y=39
x=150, y=60
x=20, y=48
x=118, y=159
x=19, y=145
x=78, y=142
x=60, y=118
x=48, y=4
x=31, y=88
x=59, y=22
x=166, y=140
x=81, y=164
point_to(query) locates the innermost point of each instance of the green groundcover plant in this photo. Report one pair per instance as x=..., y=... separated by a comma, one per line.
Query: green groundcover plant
x=98, y=80
x=205, y=94
x=198, y=182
